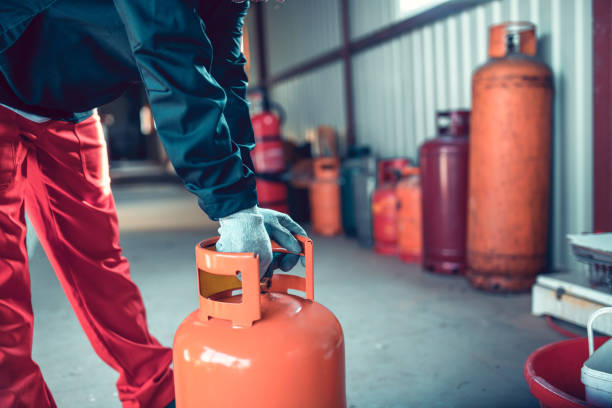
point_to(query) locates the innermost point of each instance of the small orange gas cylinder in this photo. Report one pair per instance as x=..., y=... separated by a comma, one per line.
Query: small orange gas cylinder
x=262, y=347
x=409, y=219
x=384, y=205
x=325, y=206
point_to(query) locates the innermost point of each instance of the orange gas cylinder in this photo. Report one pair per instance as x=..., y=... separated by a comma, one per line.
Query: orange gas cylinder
x=384, y=205
x=509, y=167
x=325, y=206
x=409, y=219
x=384, y=219
x=261, y=348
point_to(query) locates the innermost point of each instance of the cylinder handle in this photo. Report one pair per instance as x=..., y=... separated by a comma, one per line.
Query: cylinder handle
x=592, y=318
x=217, y=277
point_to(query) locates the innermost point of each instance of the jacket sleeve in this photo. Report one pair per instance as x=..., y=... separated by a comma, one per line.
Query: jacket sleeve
x=174, y=56
x=224, y=23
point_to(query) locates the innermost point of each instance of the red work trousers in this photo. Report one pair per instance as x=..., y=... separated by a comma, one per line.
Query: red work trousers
x=58, y=172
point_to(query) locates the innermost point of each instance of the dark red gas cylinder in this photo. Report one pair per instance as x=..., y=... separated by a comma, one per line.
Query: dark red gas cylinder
x=269, y=161
x=384, y=205
x=444, y=182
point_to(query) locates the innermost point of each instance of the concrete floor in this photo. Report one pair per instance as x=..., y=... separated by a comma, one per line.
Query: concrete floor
x=412, y=339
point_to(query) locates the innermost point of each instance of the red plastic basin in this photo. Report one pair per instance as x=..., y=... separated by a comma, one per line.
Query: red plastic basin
x=553, y=373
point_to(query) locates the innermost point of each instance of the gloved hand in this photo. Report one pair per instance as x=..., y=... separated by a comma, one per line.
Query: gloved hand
x=250, y=230
x=281, y=229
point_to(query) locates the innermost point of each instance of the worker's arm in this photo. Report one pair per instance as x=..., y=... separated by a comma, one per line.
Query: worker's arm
x=175, y=58
x=224, y=22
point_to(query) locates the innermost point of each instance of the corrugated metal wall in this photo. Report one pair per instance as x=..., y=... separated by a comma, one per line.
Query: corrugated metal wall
x=371, y=15
x=399, y=85
x=291, y=38
x=312, y=99
x=299, y=30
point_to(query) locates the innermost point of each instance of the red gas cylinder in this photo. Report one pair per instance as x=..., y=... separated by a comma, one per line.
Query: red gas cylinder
x=389, y=170
x=325, y=206
x=444, y=180
x=384, y=205
x=267, y=156
x=409, y=229
x=261, y=348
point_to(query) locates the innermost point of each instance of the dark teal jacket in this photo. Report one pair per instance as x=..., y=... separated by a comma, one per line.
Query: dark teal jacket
x=62, y=58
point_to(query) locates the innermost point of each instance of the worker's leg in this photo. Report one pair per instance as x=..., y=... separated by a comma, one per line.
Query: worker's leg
x=21, y=382
x=73, y=211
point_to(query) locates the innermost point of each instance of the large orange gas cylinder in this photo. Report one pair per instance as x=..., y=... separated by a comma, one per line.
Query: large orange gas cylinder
x=384, y=205
x=409, y=228
x=325, y=206
x=261, y=348
x=509, y=167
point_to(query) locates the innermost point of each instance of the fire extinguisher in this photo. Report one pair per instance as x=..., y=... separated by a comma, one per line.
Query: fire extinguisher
x=269, y=159
x=268, y=156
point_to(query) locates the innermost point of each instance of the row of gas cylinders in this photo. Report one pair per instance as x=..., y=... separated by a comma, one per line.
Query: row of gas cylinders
x=419, y=213
x=479, y=201
x=416, y=212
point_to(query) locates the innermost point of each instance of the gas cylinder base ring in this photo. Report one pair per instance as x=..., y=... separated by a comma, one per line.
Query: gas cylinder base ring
x=445, y=267
x=383, y=249
x=411, y=258
x=500, y=283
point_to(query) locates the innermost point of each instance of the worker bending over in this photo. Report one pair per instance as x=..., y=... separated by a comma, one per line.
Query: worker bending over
x=59, y=60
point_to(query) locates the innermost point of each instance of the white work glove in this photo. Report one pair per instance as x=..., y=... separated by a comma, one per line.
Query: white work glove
x=250, y=230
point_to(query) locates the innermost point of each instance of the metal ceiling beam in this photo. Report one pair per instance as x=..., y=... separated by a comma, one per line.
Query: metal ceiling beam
x=377, y=37
x=348, y=74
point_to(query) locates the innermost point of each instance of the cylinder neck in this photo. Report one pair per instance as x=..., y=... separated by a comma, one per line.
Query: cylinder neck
x=453, y=123
x=513, y=43
x=498, y=38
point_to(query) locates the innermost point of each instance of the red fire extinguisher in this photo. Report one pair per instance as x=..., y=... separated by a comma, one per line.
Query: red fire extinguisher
x=267, y=156
x=269, y=160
